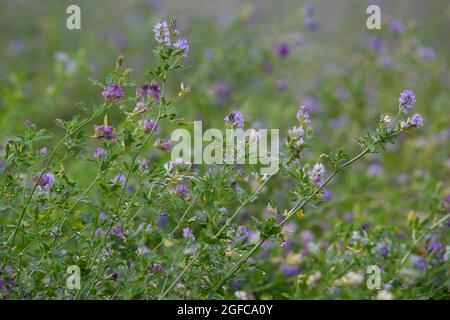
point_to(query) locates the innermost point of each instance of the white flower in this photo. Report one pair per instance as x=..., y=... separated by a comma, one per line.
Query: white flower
x=384, y=295
x=352, y=278
x=313, y=279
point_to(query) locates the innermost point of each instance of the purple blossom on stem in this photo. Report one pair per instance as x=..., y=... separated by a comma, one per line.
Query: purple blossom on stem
x=235, y=119
x=140, y=108
x=181, y=190
x=46, y=181
x=304, y=114
x=164, y=145
x=183, y=46
x=113, y=92
x=148, y=125
x=119, y=179
x=156, y=268
x=316, y=174
x=99, y=153
x=44, y=150
x=104, y=132
x=187, y=233
x=407, y=100
x=415, y=121
x=161, y=32
x=289, y=270
x=117, y=231
x=153, y=90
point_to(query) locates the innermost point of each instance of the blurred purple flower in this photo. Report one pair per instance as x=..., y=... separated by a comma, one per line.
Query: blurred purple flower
x=113, y=92
x=187, y=233
x=148, y=125
x=376, y=44
x=104, y=131
x=157, y=268
x=283, y=50
x=396, y=26
x=99, y=153
x=181, y=190
x=119, y=179
x=289, y=270
x=426, y=53
x=47, y=180
x=161, y=220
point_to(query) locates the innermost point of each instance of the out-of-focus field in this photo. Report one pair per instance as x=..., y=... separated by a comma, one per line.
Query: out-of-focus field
x=332, y=66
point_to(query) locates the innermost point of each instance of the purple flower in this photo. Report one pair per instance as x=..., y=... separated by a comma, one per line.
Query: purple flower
x=312, y=103
x=223, y=210
x=348, y=217
x=117, y=231
x=103, y=216
x=28, y=123
x=114, y=276
x=187, y=233
x=153, y=90
x=157, y=268
x=383, y=250
x=415, y=121
x=374, y=169
x=140, y=108
x=104, y=132
x=289, y=270
x=47, y=180
x=376, y=44
x=418, y=262
x=297, y=134
x=148, y=125
x=161, y=220
x=283, y=50
x=303, y=114
x=143, y=250
x=311, y=23
x=143, y=164
x=119, y=179
x=236, y=119
x=407, y=100
x=446, y=202
x=235, y=284
x=396, y=26
x=164, y=145
x=316, y=174
x=241, y=234
x=425, y=53
x=282, y=84
x=161, y=31
x=113, y=92
x=182, y=45
x=99, y=231
x=100, y=153
x=44, y=150
x=181, y=190
x=221, y=91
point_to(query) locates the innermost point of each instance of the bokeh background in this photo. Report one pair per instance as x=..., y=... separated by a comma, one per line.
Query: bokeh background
x=348, y=75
